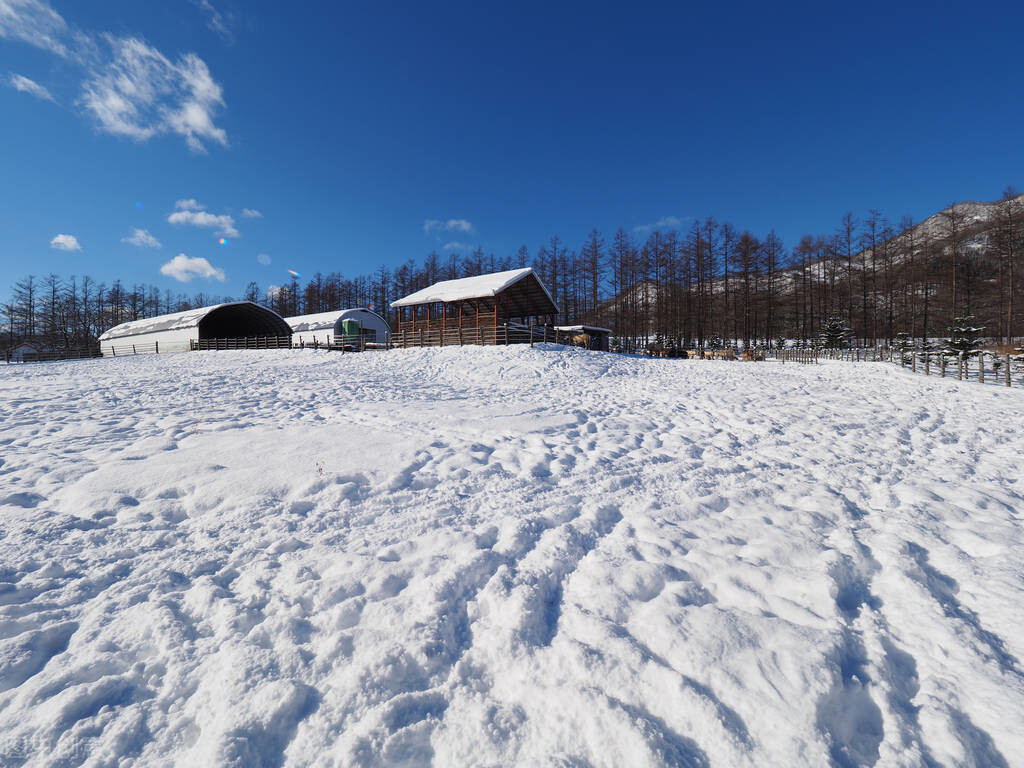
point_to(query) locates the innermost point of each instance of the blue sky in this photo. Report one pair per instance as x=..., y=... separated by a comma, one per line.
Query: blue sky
x=369, y=133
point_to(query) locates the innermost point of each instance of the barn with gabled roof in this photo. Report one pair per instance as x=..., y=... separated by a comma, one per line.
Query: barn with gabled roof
x=507, y=307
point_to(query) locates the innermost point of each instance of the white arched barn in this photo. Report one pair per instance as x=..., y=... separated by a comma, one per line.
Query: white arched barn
x=176, y=332
x=328, y=327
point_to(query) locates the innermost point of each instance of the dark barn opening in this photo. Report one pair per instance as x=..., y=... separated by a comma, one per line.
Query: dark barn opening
x=243, y=320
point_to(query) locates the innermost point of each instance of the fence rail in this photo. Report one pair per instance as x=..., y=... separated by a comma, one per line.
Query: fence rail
x=52, y=355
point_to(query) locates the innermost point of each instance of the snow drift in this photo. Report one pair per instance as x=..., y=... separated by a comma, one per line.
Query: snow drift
x=497, y=556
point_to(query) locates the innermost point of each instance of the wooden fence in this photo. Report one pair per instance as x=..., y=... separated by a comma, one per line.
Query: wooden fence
x=250, y=342
x=984, y=367
x=505, y=333
x=51, y=355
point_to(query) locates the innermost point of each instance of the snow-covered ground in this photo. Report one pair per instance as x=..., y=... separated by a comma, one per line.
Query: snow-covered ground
x=507, y=556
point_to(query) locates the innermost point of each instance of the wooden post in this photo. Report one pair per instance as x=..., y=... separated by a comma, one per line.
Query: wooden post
x=531, y=334
x=981, y=367
x=444, y=321
x=960, y=366
x=1009, y=380
x=927, y=362
x=157, y=343
x=913, y=360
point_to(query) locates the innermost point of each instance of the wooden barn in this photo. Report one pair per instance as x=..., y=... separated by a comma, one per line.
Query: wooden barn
x=512, y=307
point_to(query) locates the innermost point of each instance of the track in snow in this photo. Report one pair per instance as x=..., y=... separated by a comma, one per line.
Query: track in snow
x=507, y=555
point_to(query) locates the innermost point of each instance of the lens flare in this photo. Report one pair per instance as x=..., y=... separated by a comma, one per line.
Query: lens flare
x=293, y=273
x=222, y=241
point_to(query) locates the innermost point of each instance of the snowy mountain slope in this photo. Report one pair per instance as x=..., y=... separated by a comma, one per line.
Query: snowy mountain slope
x=498, y=556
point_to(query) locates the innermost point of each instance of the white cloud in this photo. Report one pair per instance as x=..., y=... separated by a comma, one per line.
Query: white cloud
x=33, y=22
x=665, y=222
x=263, y=259
x=188, y=205
x=223, y=224
x=457, y=246
x=451, y=225
x=23, y=84
x=65, y=243
x=141, y=238
x=140, y=93
x=128, y=87
x=251, y=213
x=183, y=269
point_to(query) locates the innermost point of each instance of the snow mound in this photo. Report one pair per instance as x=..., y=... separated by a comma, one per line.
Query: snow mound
x=498, y=556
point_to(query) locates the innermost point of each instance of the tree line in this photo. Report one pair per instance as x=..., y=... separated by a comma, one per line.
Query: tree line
x=705, y=284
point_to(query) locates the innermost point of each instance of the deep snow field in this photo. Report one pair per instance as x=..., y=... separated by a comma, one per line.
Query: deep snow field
x=507, y=556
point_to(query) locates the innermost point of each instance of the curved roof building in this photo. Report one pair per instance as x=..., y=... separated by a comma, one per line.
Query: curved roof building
x=175, y=332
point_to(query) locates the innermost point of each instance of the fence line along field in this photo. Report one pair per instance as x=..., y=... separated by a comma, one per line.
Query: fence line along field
x=507, y=555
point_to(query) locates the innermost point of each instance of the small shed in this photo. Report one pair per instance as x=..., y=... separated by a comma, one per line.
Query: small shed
x=596, y=337
x=176, y=332
x=23, y=353
x=324, y=328
x=507, y=307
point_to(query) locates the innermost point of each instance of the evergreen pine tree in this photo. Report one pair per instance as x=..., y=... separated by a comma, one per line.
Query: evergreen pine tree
x=834, y=333
x=963, y=337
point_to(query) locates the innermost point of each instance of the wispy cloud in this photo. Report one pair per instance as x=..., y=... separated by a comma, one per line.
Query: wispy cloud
x=128, y=87
x=65, y=243
x=251, y=213
x=34, y=22
x=451, y=225
x=140, y=93
x=141, y=238
x=665, y=222
x=25, y=85
x=263, y=259
x=457, y=246
x=183, y=269
x=190, y=213
x=217, y=21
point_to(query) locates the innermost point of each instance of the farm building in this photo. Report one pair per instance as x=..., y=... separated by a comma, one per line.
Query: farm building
x=23, y=353
x=590, y=336
x=325, y=328
x=500, y=308
x=182, y=331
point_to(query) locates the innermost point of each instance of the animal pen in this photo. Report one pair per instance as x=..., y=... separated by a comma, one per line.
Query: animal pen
x=512, y=307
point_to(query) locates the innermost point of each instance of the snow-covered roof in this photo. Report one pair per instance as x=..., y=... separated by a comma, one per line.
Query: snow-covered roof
x=324, y=321
x=190, y=318
x=478, y=287
x=581, y=328
x=174, y=321
x=316, y=322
